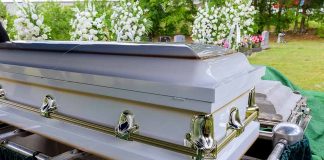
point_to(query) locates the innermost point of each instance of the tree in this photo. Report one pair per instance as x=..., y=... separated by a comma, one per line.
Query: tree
x=308, y=4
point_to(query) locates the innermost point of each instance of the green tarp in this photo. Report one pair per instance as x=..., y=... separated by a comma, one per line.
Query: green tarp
x=315, y=100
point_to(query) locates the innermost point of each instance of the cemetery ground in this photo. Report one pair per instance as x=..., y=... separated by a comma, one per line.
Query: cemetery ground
x=301, y=59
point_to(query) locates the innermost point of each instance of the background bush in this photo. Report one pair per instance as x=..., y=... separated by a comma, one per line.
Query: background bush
x=5, y=15
x=170, y=17
x=58, y=18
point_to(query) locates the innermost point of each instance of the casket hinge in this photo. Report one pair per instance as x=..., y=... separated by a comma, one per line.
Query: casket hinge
x=234, y=121
x=201, y=137
x=252, y=106
x=48, y=106
x=126, y=125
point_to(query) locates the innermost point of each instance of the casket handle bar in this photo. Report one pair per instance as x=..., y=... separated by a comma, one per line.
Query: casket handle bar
x=126, y=125
x=201, y=137
x=235, y=121
x=48, y=106
x=208, y=147
x=252, y=106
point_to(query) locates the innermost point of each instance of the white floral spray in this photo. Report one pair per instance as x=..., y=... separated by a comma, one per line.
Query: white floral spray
x=213, y=24
x=29, y=24
x=128, y=22
x=88, y=25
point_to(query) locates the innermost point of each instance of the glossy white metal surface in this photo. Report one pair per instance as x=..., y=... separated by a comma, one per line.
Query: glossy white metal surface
x=156, y=121
x=163, y=93
x=202, y=80
x=157, y=97
x=108, y=146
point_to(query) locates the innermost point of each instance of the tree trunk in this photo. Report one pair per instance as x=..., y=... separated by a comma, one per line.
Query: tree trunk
x=302, y=22
x=278, y=26
x=296, y=17
x=270, y=15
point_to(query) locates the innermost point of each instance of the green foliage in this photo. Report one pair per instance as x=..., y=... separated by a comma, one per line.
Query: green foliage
x=318, y=16
x=170, y=17
x=10, y=26
x=6, y=16
x=155, y=14
x=179, y=17
x=264, y=16
x=3, y=10
x=58, y=18
x=285, y=20
x=215, y=2
x=320, y=31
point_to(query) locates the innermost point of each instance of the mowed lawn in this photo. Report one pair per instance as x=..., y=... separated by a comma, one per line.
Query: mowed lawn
x=302, y=61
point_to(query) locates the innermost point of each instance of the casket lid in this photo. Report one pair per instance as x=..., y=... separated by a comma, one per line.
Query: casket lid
x=195, y=77
x=195, y=51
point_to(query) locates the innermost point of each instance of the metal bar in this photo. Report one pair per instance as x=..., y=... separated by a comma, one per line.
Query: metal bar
x=268, y=123
x=265, y=135
x=15, y=133
x=69, y=155
x=25, y=151
x=17, y=148
x=233, y=133
x=136, y=137
x=277, y=151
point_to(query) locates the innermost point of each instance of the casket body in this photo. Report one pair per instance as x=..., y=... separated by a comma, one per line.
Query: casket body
x=163, y=91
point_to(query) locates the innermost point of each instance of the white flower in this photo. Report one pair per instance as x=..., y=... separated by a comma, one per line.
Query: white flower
x=34, y=17
x=128, y=22
x=88, y=25
x=212, y=24
x=39, y=22
x=29, y=24
x=44, y=36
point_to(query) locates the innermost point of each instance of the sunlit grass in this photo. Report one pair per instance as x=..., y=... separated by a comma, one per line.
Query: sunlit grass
x=301, y=61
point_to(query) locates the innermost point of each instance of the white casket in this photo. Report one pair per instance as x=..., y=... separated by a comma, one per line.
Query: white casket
x=163, y=101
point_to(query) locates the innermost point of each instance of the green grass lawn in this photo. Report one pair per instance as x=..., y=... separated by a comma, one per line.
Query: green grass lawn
x=301, y=61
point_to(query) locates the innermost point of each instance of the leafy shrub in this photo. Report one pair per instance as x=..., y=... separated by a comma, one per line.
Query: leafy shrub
x=179, y=17
x=7, y=20
x=3, y=15
x=58, y=18
x=320, y=31
x=170, y=17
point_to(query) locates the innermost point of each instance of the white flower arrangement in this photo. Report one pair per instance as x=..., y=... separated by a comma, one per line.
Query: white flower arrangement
x=128, y=21
x=88, y=25
x=29, y=23
x=241, y=13
x=4, y=23
x=213, y=24
x=206, y=25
